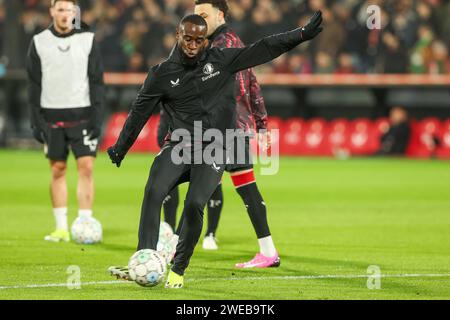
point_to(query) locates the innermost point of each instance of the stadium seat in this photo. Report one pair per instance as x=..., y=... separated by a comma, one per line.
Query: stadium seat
x=443, y=151
x=313, y=137
x=273, y=123
x=145, y=142
x=362, y=138
x=336, y=136
x=380, y=126
x=291, y=137
x=147, y=139
x=423, y=133
x=112, y=129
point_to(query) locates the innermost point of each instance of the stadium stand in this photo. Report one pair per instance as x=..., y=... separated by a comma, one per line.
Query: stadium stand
x=410, y=52
x=416, y=34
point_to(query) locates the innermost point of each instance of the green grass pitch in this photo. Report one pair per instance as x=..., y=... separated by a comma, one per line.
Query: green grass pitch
x=328, y=218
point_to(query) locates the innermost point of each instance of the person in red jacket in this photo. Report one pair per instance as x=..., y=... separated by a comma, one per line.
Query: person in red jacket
x=251, y=115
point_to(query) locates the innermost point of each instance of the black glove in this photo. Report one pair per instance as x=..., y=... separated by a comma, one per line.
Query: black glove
x=313, y=28
x=115, y=156
x=39, y=134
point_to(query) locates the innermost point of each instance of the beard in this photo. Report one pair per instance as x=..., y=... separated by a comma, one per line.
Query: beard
x=186, y=60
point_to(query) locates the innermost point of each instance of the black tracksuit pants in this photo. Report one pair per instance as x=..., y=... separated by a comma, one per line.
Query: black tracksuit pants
x=164, y=176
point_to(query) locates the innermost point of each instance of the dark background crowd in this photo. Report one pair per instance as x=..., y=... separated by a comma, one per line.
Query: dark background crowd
x=414, y=38
x=134, y=34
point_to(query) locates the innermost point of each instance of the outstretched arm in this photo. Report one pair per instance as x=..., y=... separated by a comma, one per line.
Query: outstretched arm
x=142, y=108
x=271, y=47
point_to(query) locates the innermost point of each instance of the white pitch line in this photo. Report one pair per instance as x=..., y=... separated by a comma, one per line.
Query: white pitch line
x=318, y=277
x=50, y=285
x=331, y=276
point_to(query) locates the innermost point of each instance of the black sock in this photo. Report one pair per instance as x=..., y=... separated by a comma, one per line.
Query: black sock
x=170, y=207
x=214, y=205
x=256, y=209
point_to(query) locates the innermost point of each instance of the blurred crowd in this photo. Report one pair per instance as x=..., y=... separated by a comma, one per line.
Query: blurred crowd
x=2, y=31
x=134, y=34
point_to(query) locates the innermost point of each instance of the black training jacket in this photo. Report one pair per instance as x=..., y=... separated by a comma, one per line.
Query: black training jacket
x=203, y=92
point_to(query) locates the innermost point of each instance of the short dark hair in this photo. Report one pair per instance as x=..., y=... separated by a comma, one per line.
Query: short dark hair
x=194, y=19
x=53, y=2
x=222, y=5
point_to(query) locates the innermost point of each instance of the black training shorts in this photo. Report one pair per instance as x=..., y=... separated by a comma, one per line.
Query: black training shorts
x=241, y=159
x=59, y=139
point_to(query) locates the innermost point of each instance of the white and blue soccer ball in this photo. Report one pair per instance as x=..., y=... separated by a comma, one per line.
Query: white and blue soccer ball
x=86, y=230
x=166, y=249
x=165, y=232
x=147, y=267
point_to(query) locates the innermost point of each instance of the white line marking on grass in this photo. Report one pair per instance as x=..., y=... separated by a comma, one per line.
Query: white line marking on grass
x=317, y=277
x=50, y=285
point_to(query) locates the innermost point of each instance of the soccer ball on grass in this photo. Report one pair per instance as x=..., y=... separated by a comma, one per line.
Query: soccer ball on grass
x=86, y=230
x=147, y=267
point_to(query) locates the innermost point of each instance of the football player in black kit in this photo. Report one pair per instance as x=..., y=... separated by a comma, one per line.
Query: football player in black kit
x=196, y=88
x=251, y=117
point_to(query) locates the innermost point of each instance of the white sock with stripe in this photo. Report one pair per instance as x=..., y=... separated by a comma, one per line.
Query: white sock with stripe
x=60, y=215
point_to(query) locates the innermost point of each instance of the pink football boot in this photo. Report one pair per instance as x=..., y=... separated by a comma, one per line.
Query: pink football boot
x=261, y=261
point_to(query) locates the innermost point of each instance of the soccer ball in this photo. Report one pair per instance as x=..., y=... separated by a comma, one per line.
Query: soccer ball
x=86, y=230
x=166, y=250
x=147, y=267
x=165, y=232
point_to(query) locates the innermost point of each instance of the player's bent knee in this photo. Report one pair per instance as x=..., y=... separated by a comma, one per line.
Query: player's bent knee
x=155, y=194
x=194, y=205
